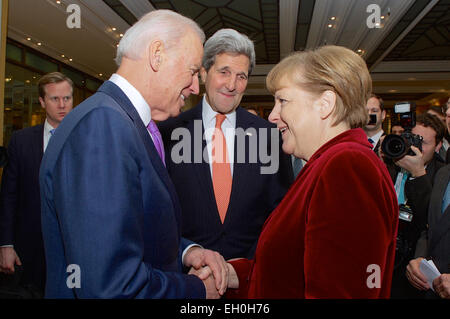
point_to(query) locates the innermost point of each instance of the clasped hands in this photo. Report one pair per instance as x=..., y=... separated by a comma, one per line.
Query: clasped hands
x=217, y=275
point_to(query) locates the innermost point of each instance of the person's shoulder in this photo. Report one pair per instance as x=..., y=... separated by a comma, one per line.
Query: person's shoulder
x=184, y=117
x=254, y=120
x=27, y=132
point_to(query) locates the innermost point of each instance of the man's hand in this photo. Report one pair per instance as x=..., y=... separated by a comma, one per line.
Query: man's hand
x=441, y=285
x=415, y=276
x=8, y=258
x=209, y=282
x=198, y=257
x=413, y=164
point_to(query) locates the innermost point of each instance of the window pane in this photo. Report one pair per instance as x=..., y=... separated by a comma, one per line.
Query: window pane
x=76, y=77
x=13, y=52
x=39, y=63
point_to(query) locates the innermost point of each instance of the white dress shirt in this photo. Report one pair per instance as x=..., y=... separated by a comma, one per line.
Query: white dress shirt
x=375, y=138
x=228, y=127
x=47, y=134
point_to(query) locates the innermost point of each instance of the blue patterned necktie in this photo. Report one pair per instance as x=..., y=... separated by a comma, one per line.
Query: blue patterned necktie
x=446, y=200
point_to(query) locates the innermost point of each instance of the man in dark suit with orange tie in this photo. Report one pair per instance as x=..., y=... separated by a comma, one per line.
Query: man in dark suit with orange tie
x=20, y=215
x=226, y=188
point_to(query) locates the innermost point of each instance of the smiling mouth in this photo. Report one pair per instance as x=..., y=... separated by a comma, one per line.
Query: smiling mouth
x=282, y=130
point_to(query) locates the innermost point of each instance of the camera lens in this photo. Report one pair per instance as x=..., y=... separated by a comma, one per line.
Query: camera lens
x=394, y=146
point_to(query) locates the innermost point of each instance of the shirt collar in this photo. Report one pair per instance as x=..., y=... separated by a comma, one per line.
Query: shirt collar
x=47, y=127
x=135, y=97
x=209, y=115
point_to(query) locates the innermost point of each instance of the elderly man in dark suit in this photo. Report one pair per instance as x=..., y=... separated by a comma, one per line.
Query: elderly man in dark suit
x=226, y=188
x=435, y=243
x=20, y=215
x=110, y=213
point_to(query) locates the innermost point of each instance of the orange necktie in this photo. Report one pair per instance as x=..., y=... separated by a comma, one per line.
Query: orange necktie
x=221, y=168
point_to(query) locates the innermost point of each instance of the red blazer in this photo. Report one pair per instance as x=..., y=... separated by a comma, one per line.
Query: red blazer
x=338, y=218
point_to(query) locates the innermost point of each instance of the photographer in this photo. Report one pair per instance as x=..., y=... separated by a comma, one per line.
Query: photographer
x=412, y=176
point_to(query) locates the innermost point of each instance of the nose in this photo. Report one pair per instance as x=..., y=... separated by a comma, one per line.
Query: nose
x=231, y=83
x=62, y=103
x=195, y=86
x=274, y=116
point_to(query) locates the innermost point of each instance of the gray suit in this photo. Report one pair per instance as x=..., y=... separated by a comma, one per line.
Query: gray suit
x=437, y=245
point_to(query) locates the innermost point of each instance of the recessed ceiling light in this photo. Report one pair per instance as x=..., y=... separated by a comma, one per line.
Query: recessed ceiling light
x=29, y=39
x=63, y=56
x=70, y=59
x=100, y=74
x=333, y=18
x=121, y=35
x=58, y=2
x=39, y=43
x=114, y=29
x=382, y=17
x=330, y=25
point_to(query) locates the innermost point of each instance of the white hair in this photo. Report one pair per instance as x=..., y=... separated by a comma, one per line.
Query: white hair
x=165, y=25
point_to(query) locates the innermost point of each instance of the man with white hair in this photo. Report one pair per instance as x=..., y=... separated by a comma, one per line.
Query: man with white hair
x=110, y=214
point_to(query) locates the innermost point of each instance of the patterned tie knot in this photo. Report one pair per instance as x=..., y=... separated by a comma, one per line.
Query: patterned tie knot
x=371, y=141
x=52, y=131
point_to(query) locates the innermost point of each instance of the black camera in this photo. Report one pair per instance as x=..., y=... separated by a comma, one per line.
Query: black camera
x=396, y=146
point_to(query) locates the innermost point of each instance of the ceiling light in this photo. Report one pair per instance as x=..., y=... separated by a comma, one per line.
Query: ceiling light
x=121, y=35
x=333, y=18
x=39, y=43
x=382, y=17
x=63, y=56
x=70, y=59
x=330, y=25
x=100, y=74
x=114, y=29
x=58, y=2
x=29, y=39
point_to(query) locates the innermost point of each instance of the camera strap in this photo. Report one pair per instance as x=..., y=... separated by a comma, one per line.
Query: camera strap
x=400, y=182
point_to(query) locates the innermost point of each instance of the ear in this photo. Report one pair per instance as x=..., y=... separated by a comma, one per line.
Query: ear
x=203, y=74
x=41, y=100
x=327, y=103
x=438, y=147
x=383, y=115
x=156, y=54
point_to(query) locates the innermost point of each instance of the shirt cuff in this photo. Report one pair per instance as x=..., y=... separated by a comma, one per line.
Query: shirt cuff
x=186, y=249
x=5, y=246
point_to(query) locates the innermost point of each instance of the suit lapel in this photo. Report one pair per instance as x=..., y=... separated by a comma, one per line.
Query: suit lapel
x=241, y=171
x=119, y=96
x=38, y=143
x=202, y=169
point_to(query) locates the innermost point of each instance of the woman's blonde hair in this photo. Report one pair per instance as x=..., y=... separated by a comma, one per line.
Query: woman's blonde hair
x=328, y=68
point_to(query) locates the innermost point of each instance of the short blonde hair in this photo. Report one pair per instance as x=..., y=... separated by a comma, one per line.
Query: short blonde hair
x=328, y=68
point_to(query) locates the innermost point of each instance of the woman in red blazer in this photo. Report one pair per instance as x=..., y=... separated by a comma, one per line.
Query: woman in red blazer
x=334, y=233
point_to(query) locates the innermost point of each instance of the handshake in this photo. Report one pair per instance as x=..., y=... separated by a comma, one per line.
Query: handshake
x=217, y=275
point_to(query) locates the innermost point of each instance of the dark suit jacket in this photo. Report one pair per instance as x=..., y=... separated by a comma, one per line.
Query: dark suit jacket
x=253, y=195
x=20, y=214
x=418, y=193
x=439, y=223
x=109, y=207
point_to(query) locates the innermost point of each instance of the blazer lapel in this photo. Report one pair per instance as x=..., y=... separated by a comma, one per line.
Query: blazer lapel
x=117, y=94
x=202, y=169
x=38, y=143
x=241, y=171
